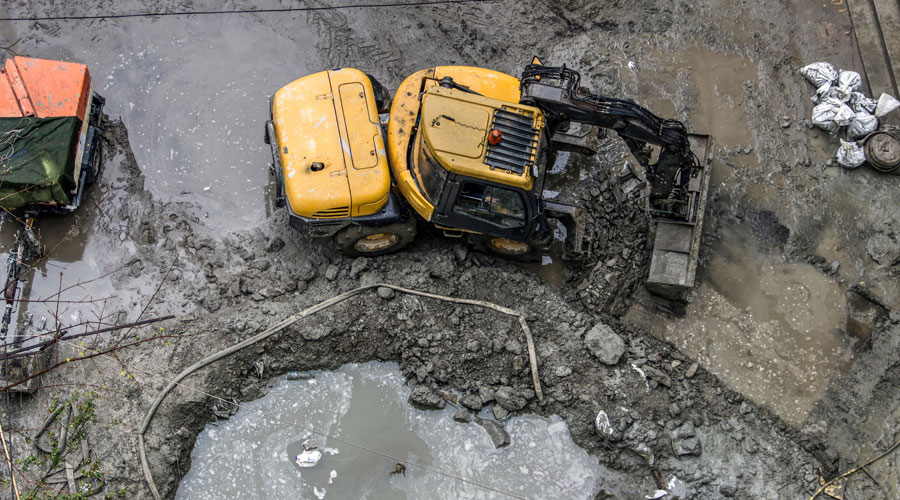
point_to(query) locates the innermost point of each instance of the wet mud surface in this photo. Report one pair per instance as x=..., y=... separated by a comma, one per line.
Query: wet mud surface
x=785, y=361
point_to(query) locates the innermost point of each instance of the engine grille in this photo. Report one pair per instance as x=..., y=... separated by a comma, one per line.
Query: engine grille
x=516, y=150
x=332, y=213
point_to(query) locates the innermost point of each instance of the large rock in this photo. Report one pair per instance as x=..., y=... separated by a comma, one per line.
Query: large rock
x=604, y=344
x=497, y=433
x=509, y=399
x=461, y=415
x=686, y=430
x=689, y=446
x=424, y=398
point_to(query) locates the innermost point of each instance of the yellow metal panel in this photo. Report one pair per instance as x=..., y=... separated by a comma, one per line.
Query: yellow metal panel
x=364, y=153
x=405, y=110
x=360, y=135
x=343, y=133
x=306, y=129
x=486, y=82
x=455, y=125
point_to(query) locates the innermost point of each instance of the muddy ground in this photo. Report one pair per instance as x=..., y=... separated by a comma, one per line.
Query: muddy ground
x=785, y=363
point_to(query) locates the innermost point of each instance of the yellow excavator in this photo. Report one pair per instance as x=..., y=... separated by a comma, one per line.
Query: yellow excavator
x=468, y=149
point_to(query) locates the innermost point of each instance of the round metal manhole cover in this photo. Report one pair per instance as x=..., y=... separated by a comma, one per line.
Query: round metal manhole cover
x=883, y=152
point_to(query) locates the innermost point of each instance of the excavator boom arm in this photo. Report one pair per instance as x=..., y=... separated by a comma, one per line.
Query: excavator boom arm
x=557, y=92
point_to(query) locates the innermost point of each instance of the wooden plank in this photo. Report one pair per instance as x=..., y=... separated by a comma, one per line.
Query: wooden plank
x=888, y=14
x=874, y=56
x=70, y=478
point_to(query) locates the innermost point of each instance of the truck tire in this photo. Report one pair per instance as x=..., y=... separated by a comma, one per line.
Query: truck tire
x=370, y=241
x=96, y=164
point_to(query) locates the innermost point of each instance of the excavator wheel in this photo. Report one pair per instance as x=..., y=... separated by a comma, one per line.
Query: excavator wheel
x=509, y=249
x=370, y=241
x=382, y=96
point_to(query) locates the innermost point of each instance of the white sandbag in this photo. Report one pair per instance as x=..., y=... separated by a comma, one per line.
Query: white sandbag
x=832, y=114
x=849, y=80
x=821, y=93
x=850, y=154
x=863, y=125
x=840, y=93
x=859, y=102
x=820, y=73
x=886, y=104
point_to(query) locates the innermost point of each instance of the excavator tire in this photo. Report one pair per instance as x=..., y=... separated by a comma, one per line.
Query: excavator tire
x=370, y=241
x=382, y=96
x=508, y=249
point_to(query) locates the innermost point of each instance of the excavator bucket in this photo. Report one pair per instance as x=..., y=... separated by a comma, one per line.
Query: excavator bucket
x=676, y=246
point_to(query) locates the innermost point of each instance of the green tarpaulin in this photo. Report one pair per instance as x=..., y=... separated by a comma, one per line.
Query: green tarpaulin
x=37, y=160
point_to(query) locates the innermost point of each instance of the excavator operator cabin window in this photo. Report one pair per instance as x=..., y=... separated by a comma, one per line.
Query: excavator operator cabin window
x=494, y=205
x=431, y=174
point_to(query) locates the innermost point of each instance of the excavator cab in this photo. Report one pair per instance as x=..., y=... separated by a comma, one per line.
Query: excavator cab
x=477, y=160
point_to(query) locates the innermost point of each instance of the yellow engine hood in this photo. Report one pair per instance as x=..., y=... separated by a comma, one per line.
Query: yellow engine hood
x=456, y=124
x=330, y=145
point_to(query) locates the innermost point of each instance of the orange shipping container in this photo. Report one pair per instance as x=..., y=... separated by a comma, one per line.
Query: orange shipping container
x=44, y=89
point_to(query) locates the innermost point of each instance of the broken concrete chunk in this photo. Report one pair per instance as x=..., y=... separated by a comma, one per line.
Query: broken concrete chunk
x=657, y=375
x=686, y=430
x=486, y=394
x=306, y=271
x=359, y=265
x=495, y=431
x=509, y=399
x=426, y=399
x=604, y=344
x=690, y=446
x=500, y=412
x=472, y=401
x=644, y=451
x=462, y=415
x=385, y=292
x=331, y=272
x=319, y=331
x=692, y=370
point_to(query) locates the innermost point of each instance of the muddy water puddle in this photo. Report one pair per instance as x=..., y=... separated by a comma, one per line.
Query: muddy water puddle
x=193, y=92
x=69, y=285
x=252, y=454
x=713, y=83
x=772, y=330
